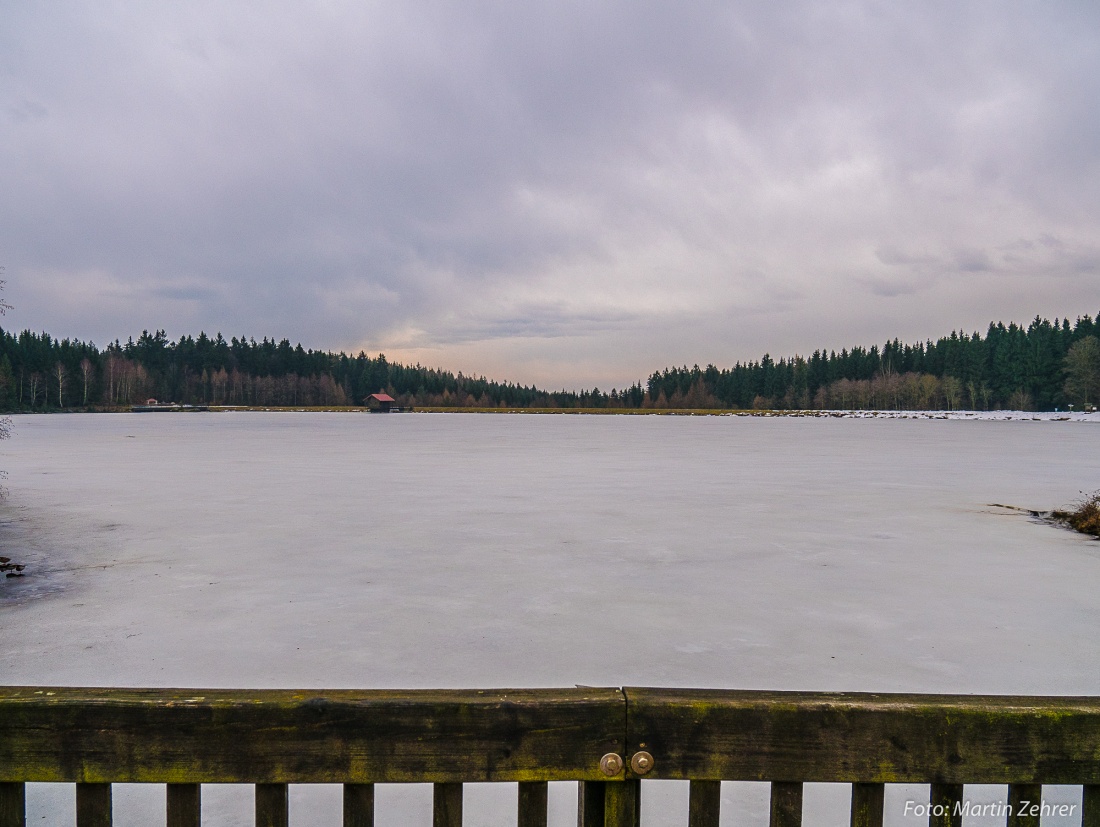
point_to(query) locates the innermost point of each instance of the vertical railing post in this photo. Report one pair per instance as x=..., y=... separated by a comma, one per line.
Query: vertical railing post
x=944, y=800
x=704, y=803
x=1024, y=804
x=1090, y=805
x=184, y=805
x=447, y=805
x=590, y=803
x=272, y=805
x=358, y=805
x=13, y=804
x=786, y=804
x=867, y=804
x=93, y=805
x=622, y=804
x=532, y=804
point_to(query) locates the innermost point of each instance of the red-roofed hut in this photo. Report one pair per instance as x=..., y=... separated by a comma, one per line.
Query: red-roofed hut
x=380, y=402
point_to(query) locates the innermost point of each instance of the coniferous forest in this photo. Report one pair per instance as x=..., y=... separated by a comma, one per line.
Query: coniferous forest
x=1043, y=366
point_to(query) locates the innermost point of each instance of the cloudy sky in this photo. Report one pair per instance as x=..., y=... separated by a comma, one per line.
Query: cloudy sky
x=567, y=193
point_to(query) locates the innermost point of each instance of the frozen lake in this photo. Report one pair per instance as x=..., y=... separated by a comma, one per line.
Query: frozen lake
x=347, y=550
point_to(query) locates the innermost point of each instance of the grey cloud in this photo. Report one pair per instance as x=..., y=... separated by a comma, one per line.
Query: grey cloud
x=343, y=173
x=973, y=261
x=891, y=289
x=539, y=322
x=893, y=256
x=26, y=110
x=186, y=294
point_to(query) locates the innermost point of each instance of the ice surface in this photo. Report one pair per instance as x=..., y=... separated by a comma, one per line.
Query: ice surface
x=351, y=550
x=989, y=416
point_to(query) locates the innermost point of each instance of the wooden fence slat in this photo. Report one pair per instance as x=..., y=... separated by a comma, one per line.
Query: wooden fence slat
x=1090, y=805
x=184, y=805
x=13, y=804
x=93, y=805
x=1021, y=799
x=786, y=808
x=704, y=803
x=532, y=804
x=867, y=804
x=590, y=803
x=447, y=805
x=358, y=805
x=272, y=805
x=622, y=803
x=943, y=811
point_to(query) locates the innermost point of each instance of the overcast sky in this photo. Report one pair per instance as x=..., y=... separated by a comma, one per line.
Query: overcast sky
x=566, y=193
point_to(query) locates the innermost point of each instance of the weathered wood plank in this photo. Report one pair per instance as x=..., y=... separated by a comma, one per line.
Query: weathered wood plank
x=944, y=800
x=178, y=736
x=704, y=803
x=184, y=805
x=1025, y=803
x=281, y=736
x=13, y=804
x=358, y=805
x=531, y=811
x=786, y=804
x=447, y=805
x=867, y=738
x=93, y=805
x=591, y=797
x=272, y=805
x=1090, y=806
x=867, y=805
x=622, y=803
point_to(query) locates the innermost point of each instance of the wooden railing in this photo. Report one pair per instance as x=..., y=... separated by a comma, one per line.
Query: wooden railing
x=607, y=739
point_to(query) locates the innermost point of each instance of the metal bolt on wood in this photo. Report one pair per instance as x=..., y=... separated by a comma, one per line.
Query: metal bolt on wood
x=641, y=762
x=611, y=764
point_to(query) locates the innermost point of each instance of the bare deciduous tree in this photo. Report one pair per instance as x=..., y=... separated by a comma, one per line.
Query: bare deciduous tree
x=1083, y=370
x=87, y=370
x=4, y=306
x=60, y=375
x=952, y=392
x=36, y=387
x=5, y=422
x=1021, y=400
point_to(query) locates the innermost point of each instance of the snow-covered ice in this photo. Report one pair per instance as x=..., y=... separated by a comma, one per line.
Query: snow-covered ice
x=350, y=550
x=992, y=416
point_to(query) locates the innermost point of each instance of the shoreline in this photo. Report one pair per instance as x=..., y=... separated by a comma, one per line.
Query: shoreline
x=962, y=415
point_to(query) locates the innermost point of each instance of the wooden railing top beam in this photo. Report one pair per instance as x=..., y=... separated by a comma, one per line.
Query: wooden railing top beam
x=356, y=736
x=308, y=736
x=864, y=737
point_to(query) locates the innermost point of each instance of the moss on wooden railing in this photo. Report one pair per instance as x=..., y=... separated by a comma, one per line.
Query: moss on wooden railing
x=271, y=738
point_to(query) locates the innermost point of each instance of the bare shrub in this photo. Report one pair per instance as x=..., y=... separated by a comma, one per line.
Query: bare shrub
x=1085, y=516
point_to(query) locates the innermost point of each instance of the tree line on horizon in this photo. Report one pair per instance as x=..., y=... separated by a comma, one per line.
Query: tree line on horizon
x=40, y=372
x=1045, y=366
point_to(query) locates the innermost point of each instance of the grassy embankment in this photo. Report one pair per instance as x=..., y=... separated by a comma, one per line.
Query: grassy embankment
x=766, y=412
x=600, y=411
x=589, y=411
x=429, y=409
